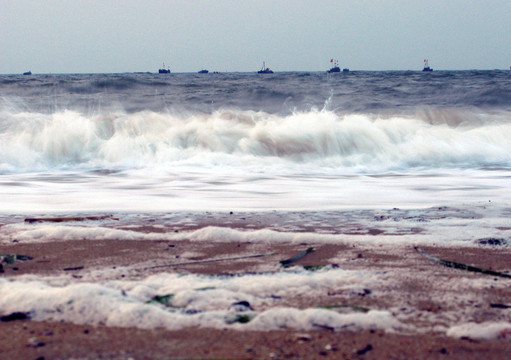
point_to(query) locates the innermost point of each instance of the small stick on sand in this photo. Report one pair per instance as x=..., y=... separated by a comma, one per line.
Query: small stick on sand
x=73, y=218
x=209, y=260
x=288, y=262
x=461, y=266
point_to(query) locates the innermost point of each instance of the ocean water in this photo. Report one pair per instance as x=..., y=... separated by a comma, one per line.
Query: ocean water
x=158, y=142
x=424, y=158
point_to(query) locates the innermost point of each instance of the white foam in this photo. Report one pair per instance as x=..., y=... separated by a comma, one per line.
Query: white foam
x=235, y=137
x=316, y=159
x=49, y=233
x=483, y=331
x=197, y=301
x=311, y=319
x=456, y=226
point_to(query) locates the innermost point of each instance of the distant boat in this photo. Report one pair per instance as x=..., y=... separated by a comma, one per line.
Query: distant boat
x=265, y=70
x=335, y=67
x=27, y=73
x=426, y=66
x=204, y=71
x=163, y=70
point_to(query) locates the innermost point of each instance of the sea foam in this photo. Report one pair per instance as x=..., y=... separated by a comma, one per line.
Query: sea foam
x=195, y=301
x=35, y=141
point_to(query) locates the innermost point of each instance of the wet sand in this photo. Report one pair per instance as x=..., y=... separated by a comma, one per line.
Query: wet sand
x=33, y=340
x=414, y=293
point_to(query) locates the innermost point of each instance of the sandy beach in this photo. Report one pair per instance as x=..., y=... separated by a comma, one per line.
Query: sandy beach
x=426, y=297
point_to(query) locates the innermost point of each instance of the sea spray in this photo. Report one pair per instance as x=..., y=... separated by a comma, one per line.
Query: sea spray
x=317, y=139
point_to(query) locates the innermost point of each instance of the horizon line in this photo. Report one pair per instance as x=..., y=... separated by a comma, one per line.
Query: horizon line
x=214, y=72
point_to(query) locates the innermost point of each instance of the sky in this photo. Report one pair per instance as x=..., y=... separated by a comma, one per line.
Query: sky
x=107, y=36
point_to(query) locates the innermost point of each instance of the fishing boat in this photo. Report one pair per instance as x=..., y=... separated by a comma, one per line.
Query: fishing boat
x=426, y=66
x=335, y=66
x=203, y=71
x=27, y=73
x=265, y=70
x=164, y=70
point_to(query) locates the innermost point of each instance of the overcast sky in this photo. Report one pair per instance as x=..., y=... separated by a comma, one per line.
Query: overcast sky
x=89, y=36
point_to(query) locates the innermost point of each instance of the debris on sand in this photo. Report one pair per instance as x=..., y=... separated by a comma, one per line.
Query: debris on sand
x=15, y=316
x=69, y=218
x=205, y=261
x=288, y=262
x=13, y=258
x=456, y=265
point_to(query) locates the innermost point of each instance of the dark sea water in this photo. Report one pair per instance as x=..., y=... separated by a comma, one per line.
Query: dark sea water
x=281, y=93
x=286, y=140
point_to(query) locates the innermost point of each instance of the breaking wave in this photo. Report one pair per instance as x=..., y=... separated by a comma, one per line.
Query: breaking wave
x=429, y=139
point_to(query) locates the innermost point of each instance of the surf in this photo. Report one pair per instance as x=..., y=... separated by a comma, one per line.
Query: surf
x=319, y=138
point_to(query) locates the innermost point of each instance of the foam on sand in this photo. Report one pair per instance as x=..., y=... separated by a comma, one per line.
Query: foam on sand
x=484, y=331
x=457, y=225
x=193, y=300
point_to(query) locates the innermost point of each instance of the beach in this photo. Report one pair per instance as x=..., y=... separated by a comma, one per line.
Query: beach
x=238, y=215
x=382, y=300
x=85, y=342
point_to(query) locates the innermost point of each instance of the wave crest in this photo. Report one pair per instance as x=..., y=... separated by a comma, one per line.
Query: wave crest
x=428, y=139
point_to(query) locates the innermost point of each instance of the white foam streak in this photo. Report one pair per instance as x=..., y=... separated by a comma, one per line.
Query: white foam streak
x=455, y=229
x=50, y=233
x=309, y=319
x=126, y=304
x=483, y=331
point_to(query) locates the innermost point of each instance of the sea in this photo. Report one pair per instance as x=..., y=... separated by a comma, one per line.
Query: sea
x=297, y=140
x=332, y=152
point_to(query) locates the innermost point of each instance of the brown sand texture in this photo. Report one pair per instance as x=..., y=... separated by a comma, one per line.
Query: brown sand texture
x=426, y=296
